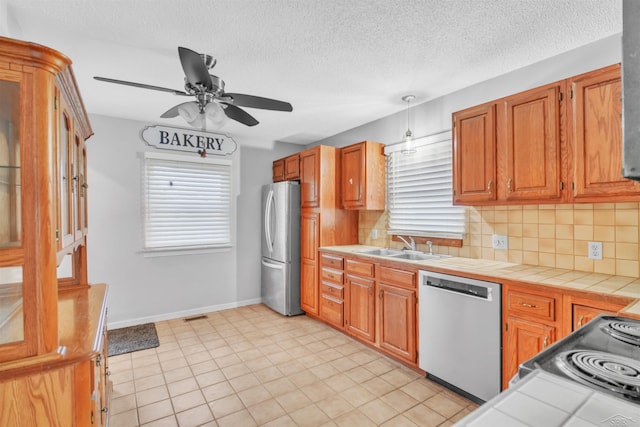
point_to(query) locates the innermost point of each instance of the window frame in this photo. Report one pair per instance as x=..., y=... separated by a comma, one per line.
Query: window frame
x=150, y=251
x=391, y=151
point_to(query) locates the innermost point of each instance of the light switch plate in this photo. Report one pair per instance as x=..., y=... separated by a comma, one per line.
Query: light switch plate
x=500, y=242
x=595, y=250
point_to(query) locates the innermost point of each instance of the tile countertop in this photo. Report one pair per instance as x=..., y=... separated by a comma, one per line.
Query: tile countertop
x=554, y=277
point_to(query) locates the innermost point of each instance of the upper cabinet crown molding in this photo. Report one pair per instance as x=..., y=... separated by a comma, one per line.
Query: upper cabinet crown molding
x=557, y=143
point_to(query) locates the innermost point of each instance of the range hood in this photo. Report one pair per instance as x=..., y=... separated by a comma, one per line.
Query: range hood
x=631, y=89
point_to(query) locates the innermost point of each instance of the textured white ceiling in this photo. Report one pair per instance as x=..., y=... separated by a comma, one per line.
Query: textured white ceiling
x=339, y=63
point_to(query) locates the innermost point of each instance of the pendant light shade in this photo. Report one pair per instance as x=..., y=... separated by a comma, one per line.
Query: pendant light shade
x=212, y=114
x=407, y=139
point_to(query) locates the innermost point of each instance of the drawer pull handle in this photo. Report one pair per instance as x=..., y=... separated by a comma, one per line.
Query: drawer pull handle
x=580, y=319
x=545, y=342
x=509, y=185
x=527, y=305
x=489, y=185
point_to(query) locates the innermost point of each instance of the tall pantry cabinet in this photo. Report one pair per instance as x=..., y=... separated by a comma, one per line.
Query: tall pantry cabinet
x=323, y=222
x=53, y=367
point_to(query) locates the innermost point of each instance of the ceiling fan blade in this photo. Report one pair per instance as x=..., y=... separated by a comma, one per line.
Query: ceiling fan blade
x=259, y=102
x=140, y=85
x=239, y=115
x=173, y=112
x=194, y=68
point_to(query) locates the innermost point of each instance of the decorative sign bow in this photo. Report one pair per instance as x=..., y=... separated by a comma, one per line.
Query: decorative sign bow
x=170, y=138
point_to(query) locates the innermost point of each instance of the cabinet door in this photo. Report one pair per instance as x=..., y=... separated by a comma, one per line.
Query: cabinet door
x=530, y=142
x=353, y=176
x=596, y=135
x=474, y=155
x=524, y=339
x=398, y=321
x=309, y=178
x=361, y=316
x=277, y=170
x=309, y=229
x=292, y=167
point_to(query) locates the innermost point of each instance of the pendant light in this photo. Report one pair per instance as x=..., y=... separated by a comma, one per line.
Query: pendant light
x=407, y=139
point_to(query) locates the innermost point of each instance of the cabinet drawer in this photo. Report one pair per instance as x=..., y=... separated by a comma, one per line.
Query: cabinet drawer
x=332, y=261
x=543, y=307
x=332, y=275
x=394, y=276
x=360, y=268
x=332, y=310
x=333, y=290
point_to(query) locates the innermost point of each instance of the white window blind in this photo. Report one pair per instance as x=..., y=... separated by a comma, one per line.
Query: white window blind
x=420, y=190
x=187, y=202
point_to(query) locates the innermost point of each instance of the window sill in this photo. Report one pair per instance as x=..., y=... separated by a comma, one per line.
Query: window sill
x=153, y=253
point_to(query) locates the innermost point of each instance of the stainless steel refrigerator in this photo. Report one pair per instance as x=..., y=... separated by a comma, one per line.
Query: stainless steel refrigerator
x=281, y=247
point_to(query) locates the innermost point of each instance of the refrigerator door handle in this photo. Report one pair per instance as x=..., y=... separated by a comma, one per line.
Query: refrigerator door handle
x=274, y=266
x=267, y=220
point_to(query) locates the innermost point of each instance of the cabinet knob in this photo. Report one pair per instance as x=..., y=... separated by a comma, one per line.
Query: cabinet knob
x=489, y=185
x=509, y=184
x=350, y=180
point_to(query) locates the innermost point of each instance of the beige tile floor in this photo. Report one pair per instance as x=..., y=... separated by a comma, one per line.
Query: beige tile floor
x=250, y=366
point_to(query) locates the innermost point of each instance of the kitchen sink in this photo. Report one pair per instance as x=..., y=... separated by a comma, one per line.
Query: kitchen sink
x=382, y=252
x=401, y=254
x=417, y=256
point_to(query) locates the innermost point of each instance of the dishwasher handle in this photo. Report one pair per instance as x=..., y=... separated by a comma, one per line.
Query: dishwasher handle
x=461, y=288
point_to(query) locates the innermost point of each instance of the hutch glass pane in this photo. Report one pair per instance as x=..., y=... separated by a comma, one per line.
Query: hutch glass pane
x=10, y=196
x=64, y=176
x=11, y=314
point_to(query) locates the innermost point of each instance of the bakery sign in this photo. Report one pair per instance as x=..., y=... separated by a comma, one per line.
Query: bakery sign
x=203, y=143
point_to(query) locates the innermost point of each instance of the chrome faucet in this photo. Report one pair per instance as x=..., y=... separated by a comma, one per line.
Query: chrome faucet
x=411, y=244
x=430, y=244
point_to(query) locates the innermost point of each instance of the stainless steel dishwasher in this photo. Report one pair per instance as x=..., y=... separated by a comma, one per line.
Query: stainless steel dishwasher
x=460, y=333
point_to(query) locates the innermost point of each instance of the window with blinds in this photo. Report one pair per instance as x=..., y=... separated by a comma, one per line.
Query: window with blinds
x=187, y=202
x=420, y=190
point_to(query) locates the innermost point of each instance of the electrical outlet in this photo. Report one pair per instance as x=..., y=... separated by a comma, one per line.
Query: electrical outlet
x=595, y=250
x=500, y=242
x=374, y=234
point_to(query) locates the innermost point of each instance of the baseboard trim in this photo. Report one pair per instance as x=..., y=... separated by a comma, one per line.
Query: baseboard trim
x=180, y=314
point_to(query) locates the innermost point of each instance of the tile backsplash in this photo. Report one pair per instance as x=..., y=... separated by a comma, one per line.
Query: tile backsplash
x=545, y=235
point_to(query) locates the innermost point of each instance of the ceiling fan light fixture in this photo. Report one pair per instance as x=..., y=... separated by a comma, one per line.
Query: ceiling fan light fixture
x=215, y=114
x=191, y=114
x=407, y=139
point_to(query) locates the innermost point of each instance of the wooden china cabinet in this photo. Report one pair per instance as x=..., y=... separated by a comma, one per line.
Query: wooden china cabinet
x=53, y=365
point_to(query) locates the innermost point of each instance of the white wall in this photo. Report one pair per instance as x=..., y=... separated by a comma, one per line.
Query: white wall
x=144, y=289
x=435, y=116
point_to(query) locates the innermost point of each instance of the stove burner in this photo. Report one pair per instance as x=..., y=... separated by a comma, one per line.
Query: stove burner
x=617, y=374
x=628, y=332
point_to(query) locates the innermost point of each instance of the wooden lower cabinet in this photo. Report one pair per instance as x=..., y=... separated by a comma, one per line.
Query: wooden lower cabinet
x=361, y=305
x=371, y=301
x=69, y=387
x=398, y=321
x=309, y=231
x=523, y=340
x=578, y=310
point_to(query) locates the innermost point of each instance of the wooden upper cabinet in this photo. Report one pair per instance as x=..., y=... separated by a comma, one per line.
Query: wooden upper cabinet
x=292, y=167
x=530, y=142
x=596, y=135
x=363, y=178
x=286, y=169
x=277, y=173
x=561, y=142
x=310, y=178
x=474, y=154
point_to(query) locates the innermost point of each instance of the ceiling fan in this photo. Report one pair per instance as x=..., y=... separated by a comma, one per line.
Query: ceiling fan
x=211, y=101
